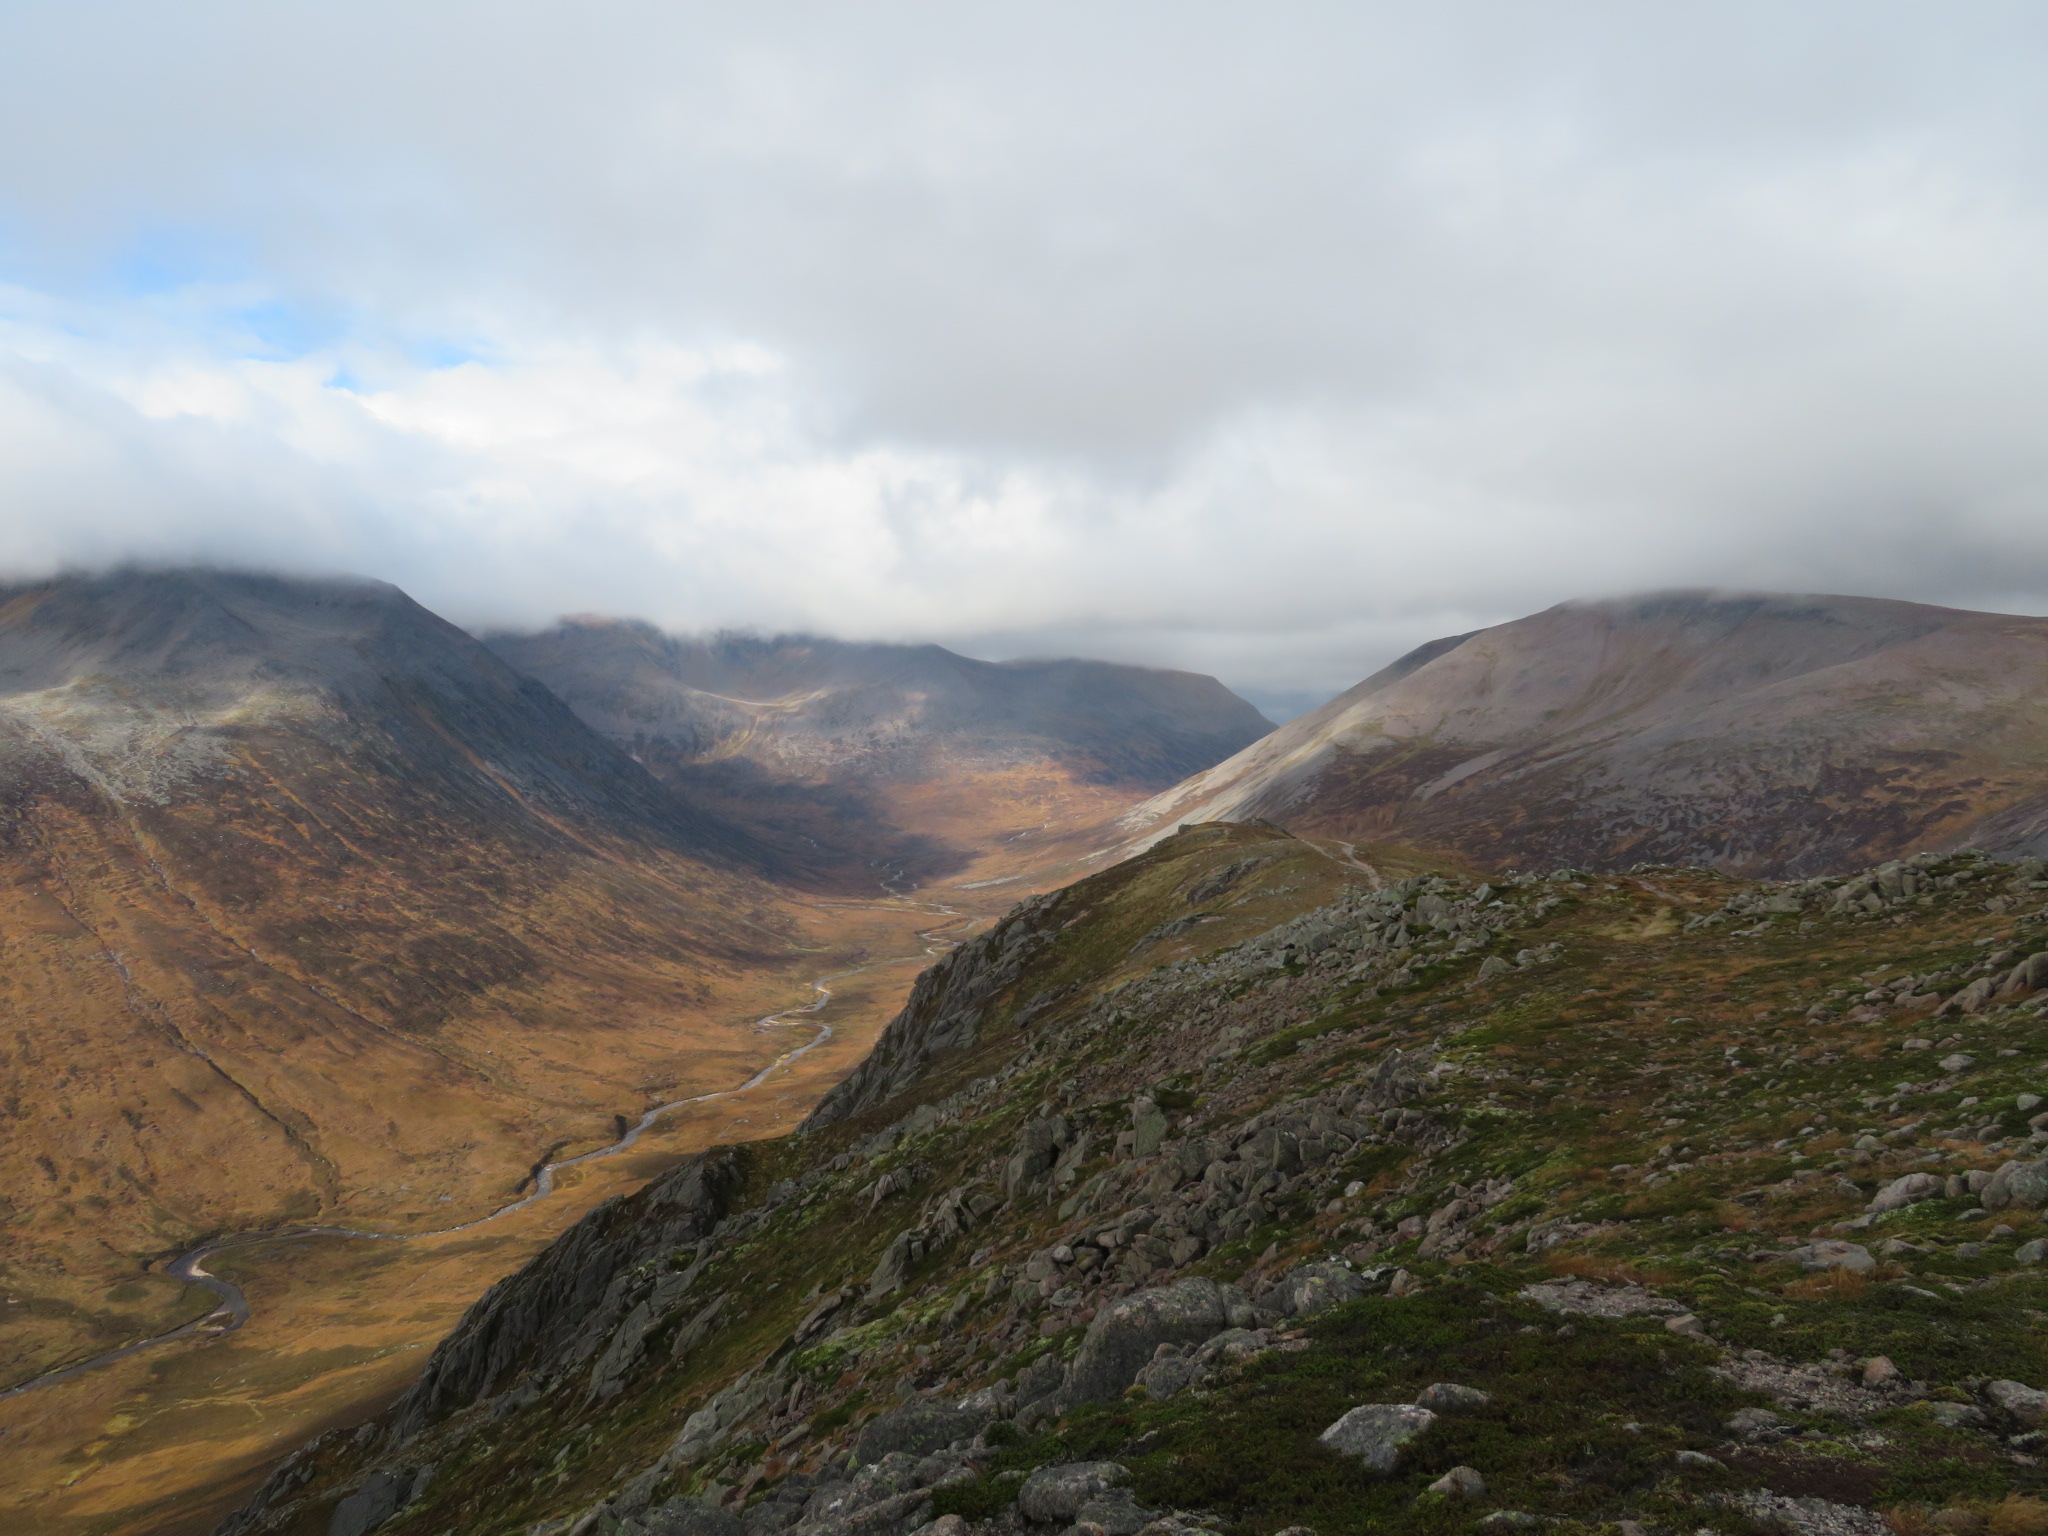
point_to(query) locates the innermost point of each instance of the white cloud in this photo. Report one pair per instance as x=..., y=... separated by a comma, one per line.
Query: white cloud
x=1267, y=343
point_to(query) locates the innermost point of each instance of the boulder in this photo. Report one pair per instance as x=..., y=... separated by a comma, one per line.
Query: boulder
x=1168, y=1374
x=2027, y=1404
x=1909, y=1189
x=1148, y=1127
x=1460, y=1483
x=1308, y=1289
x=2018, y=1186
x=1055, y=1495
x=1833, y=1253
x=1449, y=1397
x=2030, y=975
x=1127, y=1333
x=1376, y=1433
x=918, y=1430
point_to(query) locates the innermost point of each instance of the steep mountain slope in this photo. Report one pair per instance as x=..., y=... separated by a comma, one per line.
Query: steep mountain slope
x=1758, y=734
x=843, y=756
x=310, y=907
x=1239, y=1189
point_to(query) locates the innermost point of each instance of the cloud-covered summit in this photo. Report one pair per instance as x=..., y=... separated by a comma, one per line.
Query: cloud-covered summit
x=1264, y=344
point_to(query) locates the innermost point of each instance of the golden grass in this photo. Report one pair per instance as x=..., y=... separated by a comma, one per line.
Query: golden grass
x=1586, y=1266
x=2014, y=1515
x=1839, y=1284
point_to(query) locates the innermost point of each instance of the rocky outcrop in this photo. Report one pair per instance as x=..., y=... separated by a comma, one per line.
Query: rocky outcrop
x=946, y=1010
x=577, y=1296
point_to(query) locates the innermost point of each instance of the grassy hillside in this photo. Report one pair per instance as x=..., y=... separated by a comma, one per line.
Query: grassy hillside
x=1203, y=1153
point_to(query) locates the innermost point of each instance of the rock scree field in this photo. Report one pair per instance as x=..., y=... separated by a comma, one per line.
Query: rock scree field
x=1259, y=1184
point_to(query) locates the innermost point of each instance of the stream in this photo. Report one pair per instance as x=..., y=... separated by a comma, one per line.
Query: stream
x=231, y=1310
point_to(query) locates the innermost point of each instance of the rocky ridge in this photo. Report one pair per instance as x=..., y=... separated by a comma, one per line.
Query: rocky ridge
x=1571, y=1199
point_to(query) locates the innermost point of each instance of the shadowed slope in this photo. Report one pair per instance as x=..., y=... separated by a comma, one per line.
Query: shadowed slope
x=843, y=756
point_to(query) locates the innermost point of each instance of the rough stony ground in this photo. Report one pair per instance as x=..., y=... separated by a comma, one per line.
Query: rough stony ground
x=1237, y=1188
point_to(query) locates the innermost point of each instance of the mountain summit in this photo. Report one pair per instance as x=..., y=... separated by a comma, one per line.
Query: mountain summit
x=1762, y=734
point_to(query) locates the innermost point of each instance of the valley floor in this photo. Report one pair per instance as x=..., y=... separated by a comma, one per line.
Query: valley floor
x=166, y=1441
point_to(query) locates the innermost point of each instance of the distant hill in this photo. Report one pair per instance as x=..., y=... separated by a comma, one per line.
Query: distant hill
x=842, y=756
x=1758, y=733
x=310, y=906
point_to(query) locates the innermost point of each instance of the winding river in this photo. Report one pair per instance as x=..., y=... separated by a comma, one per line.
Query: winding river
x=231, y=1309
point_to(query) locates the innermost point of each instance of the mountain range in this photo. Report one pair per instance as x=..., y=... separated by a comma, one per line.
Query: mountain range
x=844, y=758
x=316, y=909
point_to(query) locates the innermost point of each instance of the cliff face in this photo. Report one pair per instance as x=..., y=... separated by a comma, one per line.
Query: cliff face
x=1761, y=734
x=1244, y=1187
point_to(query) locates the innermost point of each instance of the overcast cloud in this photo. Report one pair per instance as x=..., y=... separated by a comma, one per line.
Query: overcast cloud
x=1267, y=340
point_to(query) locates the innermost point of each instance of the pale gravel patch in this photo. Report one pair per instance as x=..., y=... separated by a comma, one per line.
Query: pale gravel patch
x=1585, y=1298
x=1809, y=1517
x=1803, y=1386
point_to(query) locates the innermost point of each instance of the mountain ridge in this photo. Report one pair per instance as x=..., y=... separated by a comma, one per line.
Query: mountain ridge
x=1761, y=733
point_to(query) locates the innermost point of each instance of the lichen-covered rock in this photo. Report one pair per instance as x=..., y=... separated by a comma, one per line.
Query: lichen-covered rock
x=2027, y=1404
x=1460, y=1483
x=1908, y=1189
x=2018, y=1186
x=1127, y=1333
x=1449, y=1397
x=1376, y=1433
x=1055, y=1495
x=918, y=1430
x=1309, y=1289
x=1832, y=1253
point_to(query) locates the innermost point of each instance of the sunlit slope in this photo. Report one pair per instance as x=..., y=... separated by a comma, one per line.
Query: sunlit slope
x=310, y=906
x=1757, y=733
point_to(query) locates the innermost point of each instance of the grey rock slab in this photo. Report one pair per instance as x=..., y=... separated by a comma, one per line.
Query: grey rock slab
x=1055, y=1495
x=1376, y=1433
x=376, y=1501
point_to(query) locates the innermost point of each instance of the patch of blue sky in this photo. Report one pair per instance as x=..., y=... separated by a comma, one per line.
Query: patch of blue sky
x=165, y=259
x=438, y=352
x=278, y=328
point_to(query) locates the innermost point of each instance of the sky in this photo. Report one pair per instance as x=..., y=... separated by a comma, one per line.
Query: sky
x=1264, y=340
